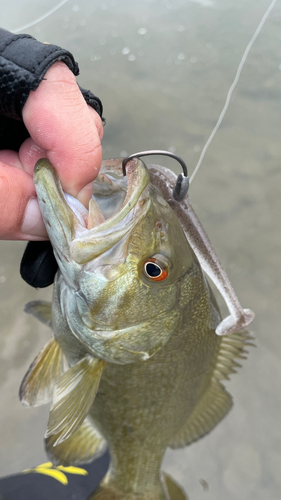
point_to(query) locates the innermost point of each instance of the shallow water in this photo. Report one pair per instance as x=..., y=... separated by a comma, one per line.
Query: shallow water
x=162, y=70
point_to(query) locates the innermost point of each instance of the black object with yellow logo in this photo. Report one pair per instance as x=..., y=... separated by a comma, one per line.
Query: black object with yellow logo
x=47, y=482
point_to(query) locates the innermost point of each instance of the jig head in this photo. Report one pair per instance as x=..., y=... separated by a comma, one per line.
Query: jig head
x=182, y=183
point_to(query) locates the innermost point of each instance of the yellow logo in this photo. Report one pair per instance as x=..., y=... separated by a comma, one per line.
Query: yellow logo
x=57, y=472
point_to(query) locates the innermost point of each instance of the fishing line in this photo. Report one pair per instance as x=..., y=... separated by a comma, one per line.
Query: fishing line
x=232, y=87
x=41, y=18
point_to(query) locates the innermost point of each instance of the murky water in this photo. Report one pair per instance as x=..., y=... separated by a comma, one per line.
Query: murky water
x=162, y=70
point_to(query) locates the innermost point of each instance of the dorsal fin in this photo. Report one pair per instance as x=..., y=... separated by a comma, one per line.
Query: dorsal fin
x=41, y=310
x=85, y=444
x=37, y=386
x=73, y=396
x=216, y=402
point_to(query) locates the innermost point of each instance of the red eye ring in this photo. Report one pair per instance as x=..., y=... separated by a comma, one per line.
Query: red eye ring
x=155, y=270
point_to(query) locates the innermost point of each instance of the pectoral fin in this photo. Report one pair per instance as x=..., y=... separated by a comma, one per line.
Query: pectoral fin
x=73, y=397
x=37, y=386
x=82, y=447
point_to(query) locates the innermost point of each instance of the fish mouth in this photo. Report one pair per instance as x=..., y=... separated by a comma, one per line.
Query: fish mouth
x=78, y=234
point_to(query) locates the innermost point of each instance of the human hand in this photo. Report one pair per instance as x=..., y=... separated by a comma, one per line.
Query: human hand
x=62, y=128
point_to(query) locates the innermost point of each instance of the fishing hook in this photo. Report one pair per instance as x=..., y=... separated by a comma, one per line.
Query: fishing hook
x=182, y=183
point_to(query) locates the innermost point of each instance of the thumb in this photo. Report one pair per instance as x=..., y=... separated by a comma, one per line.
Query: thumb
x=20, y=214
x=65, y=127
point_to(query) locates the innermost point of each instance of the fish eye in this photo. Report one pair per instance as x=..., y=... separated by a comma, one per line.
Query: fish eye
x=155, y=269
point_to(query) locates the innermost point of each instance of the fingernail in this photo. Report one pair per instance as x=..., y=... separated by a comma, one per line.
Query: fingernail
x=85, y=194
x=33, y=222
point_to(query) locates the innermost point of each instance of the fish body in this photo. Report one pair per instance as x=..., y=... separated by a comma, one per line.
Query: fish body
x=135, y=320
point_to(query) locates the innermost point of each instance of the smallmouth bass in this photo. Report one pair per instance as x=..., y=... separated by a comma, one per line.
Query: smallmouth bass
x=134, y=361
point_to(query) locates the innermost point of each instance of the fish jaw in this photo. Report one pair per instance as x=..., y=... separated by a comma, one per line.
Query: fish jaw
x=73, y=242
x=59, y=219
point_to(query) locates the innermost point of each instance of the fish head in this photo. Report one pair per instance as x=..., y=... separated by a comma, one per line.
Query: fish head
x=121, y=263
